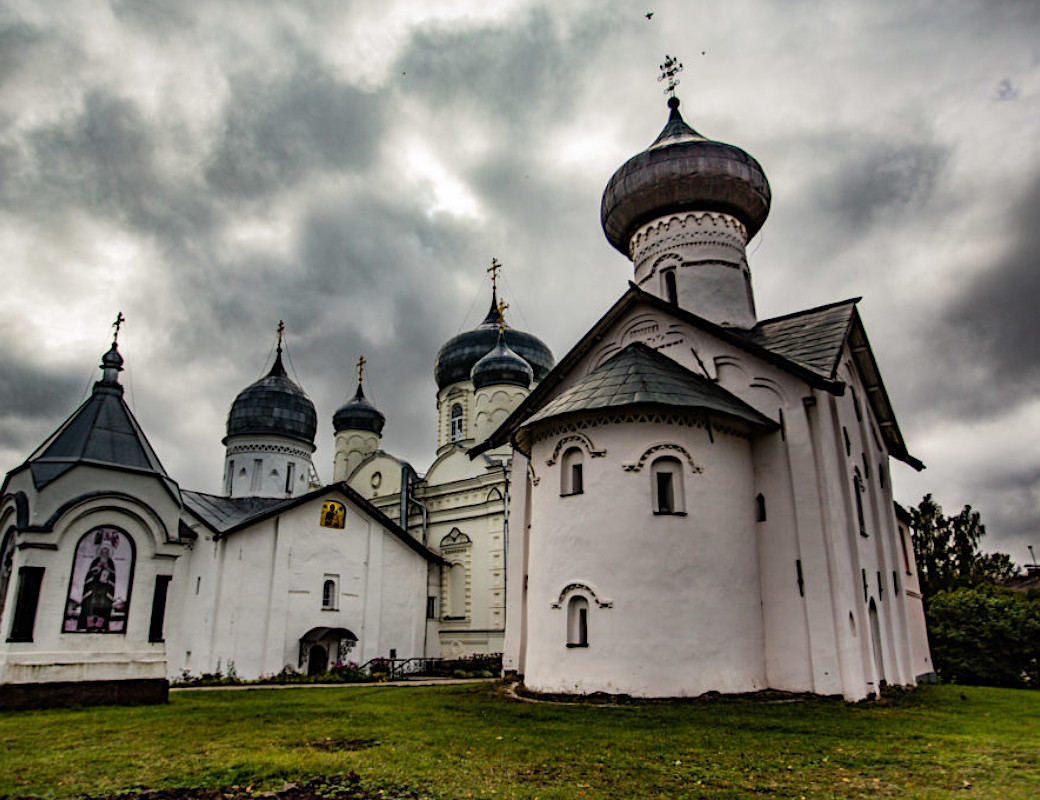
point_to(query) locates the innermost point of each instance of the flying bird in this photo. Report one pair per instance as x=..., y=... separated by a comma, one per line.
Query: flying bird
x=649, y=14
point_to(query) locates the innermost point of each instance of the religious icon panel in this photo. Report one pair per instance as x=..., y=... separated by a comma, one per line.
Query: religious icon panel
x=333, y=514
x=99, y=590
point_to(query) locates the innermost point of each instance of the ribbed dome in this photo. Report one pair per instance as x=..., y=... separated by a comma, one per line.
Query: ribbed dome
x=358, y=415
x=273, y=405
x=683, y=171
x=501, y=366
x=457, y=357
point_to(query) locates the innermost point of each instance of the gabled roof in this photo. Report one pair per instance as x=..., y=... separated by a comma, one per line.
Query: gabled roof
x=640, y=375
x=101, y=432
x=226, y=515
x=806, y=344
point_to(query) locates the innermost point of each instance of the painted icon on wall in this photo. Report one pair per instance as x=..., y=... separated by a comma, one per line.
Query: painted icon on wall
x=333, y=514
x=99, y=590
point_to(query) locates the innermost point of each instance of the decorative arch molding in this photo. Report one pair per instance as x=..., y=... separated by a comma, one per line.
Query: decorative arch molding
x=493, y=495
x=575, y=438
x=131, y=506
x=455, y=541
x=663, y=447
x=21, y=508
x=731, y=361
x=585, y=588
x=770, y=385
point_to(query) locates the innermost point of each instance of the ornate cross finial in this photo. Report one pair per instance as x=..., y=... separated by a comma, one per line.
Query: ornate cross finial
x=669, y=69
x=281, y=334
x=120, y=319
x=493, y=269
x=361, y=369
x=501, y=308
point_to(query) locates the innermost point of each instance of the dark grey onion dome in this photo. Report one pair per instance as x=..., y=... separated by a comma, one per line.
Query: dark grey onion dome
x=112, y=359
x=683, y=171
x=359, y=415
x=457, y=357
x=274, y=405
x=501, y=366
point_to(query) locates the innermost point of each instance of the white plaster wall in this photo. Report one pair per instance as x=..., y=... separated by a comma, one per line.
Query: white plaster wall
x=491, y=406
x=352, y=447
x=685, y=616
x=275, y=454
x=706, y=250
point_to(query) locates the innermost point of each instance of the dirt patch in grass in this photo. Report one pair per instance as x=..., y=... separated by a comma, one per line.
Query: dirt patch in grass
x=335, y=744
x=339, y=787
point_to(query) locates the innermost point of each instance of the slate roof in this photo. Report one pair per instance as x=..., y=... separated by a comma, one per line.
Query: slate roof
x=223, y=513
x=812, y=338
x=102, y=431
x=640, y=375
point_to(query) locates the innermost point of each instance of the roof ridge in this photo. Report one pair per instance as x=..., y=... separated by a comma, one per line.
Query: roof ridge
x=814, y=309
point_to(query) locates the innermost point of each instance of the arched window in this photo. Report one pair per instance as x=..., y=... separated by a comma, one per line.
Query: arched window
x=456, y=422
x=102, y=577
x=572, y=477
x=666, y=486
x=328, y=594
x=6, y=566
x=457, y=591
x=671, y=293
x=578, y=622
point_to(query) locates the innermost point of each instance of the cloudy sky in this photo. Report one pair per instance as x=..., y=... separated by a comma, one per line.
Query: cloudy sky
x=209, y=168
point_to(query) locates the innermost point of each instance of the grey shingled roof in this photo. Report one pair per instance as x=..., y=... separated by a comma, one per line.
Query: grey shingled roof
x=640, y=375
x=812, y=339
x=223, y=513
x=102, y=431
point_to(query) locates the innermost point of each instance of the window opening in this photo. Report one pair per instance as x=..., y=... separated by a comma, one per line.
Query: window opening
x=848, y=442
x=431, y=607
x=457, y=591
x=27, y=598
x=230, y=476
x=155, y=627
x=857, y=490
x=328, y=594
x=667, y=486
x=760, y=505
x=670, y=290
x=572, y=476
x=801, y=578
x=902, y=544
x=578, y=622
x=290, y=474
x=258, y=475
x=456, y=422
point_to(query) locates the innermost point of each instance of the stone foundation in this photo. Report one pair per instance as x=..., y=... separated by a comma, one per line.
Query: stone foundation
x=22, y=696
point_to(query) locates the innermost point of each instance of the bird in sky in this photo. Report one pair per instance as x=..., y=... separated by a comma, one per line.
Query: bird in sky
x=649, y=14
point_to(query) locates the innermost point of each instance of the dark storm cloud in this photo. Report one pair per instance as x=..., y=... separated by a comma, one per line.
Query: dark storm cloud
x=876, y=178
x=994, y=320
x=32, y=400
x=279, y=129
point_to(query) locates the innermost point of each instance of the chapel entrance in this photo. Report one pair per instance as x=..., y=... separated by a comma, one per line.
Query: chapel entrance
x=322, y=649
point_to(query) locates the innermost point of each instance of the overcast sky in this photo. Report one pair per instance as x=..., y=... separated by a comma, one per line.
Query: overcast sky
x=209, y=168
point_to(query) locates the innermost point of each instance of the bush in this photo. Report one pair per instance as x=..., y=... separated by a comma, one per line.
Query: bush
x=986, y=636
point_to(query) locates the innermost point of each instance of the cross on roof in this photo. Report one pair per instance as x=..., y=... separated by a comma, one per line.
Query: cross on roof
x=281, y=333
x=493, y=269
x=669, y=69
x=361, y=369
x=501, y=308
x=120, y=319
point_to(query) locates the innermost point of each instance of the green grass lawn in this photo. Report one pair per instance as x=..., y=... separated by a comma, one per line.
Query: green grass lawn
x=472, y=741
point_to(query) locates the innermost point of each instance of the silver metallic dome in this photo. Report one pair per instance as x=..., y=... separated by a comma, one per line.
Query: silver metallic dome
x=273, y=405
x=683, y=171
x=358, y=414
x=459, y=354
x=501, y=366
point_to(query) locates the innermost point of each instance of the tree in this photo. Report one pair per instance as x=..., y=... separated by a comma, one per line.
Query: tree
x=947, y=550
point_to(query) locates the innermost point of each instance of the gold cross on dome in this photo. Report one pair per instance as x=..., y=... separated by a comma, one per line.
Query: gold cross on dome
x=502, y=306
x=361, y=369
x=669, y=69
x=493, y=269
x=120, y=319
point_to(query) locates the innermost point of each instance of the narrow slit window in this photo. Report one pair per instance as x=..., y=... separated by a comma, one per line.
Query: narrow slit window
x=578, y=622
x=26, y=601
x=290, y=476
x=671, y=292
x=158, y=620
x=857, y=490
x=760, y=507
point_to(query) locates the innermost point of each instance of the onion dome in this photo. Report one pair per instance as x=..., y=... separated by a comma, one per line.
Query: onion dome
x=274, y=405
x=683, y=171
x=359, y=415
x=501, y=366
x=457, y=357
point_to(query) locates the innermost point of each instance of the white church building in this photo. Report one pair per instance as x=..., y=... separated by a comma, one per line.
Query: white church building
x=691, y=500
